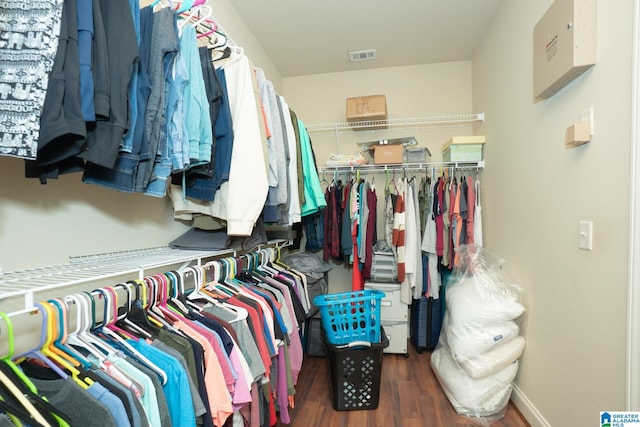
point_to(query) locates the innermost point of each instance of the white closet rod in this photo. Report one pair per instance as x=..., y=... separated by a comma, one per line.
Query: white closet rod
x=430, y=121
x=93, y=268
x=404, y=167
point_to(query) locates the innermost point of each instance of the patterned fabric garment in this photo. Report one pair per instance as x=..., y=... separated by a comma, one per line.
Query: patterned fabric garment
x=28, y=44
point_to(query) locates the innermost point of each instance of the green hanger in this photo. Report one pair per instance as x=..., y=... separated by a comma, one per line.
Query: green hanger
x=7, y=358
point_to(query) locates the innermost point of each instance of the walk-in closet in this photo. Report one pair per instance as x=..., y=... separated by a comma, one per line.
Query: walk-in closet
x=195, y=193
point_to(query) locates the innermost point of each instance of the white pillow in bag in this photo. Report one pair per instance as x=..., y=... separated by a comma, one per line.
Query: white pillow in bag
x=467, y=340
x=479, y=301
x=494, y=360
x=468, y=392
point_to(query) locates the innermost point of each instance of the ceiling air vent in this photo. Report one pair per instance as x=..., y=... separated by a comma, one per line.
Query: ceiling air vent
x=362, y=55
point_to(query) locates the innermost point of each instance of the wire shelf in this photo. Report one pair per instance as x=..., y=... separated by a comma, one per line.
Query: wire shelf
x=406, y=167
x=96, y=267
x=415, y=122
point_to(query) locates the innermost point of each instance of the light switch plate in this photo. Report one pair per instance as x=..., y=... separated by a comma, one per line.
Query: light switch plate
x=586, y=235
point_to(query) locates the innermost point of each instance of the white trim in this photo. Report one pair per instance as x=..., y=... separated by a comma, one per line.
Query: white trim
x=632, y=395
x=527, y=409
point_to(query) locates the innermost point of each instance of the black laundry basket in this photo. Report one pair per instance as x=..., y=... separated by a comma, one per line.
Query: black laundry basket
x=355, y=370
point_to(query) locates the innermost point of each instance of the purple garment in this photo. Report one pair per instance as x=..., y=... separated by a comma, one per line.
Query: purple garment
x=282, y=390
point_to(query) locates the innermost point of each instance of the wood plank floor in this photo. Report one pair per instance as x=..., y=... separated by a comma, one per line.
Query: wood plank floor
x=410, y=395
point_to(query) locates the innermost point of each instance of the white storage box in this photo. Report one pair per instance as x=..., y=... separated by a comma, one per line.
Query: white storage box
x=397, y=334
x=392, y=308
x=463, y=149
x=394, y=315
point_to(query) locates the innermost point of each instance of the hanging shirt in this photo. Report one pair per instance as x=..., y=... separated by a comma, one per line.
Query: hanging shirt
x=464, y=190
x=439, y=211
x=239, y=207
x=148, y=398
x=345, y=236
x=371, y=237
x=132, y=403
x=111, y=402
x=313, y=195
x=399, y=222
x=248, y=345
x=294, y=211
x=389, y=207
x=164, y=39
x=477, y=217
x=105, y=139
x=22, y=99
x=198, y=120
x=445, y=236
x=63, y=131
x=198, y=405
x=363, y=219
x=219, y=398
x=429, y=247
x=177, y=386
x=81, y=407
x=471, y=209
x=85, y=36
x=413, y=258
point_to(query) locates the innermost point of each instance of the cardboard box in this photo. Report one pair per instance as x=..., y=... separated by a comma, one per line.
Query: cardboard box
x=577, y=134
x=387, y=154
x=463, y=149
x=367, y=108
x=564, y=45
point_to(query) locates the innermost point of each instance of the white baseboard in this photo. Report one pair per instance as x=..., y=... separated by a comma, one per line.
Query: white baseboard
x=527, y=409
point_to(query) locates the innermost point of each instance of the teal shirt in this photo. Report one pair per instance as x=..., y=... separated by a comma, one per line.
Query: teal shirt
x=313, y=195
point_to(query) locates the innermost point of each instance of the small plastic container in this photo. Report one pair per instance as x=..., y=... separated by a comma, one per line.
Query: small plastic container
x=384, y=268
x=416, y=155
x=351, y=316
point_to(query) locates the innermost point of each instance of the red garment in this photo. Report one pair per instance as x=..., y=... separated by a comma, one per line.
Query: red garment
x=273, y=418
x=452, y=202
x=471, y=207
x=458, y=219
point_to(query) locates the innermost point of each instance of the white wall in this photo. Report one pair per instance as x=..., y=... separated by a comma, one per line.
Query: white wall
x=232, y=23
x=534, y=193
x=412, y=91
x=44, y=225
